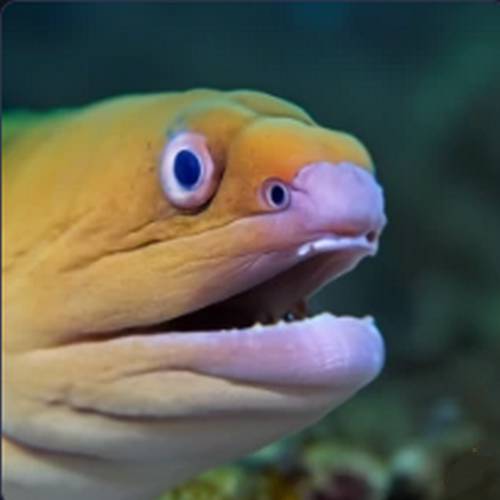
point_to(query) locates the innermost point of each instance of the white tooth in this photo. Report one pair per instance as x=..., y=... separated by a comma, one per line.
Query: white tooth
x=330, y=243
x=304, y=249
x=324, y=244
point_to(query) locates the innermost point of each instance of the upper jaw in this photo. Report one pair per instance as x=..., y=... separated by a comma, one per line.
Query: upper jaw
x=334, y=220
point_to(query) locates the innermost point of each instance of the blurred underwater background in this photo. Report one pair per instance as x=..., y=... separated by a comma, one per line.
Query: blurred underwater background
x=419, y=84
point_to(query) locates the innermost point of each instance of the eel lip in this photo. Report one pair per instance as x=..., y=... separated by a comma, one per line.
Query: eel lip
x=325, y=350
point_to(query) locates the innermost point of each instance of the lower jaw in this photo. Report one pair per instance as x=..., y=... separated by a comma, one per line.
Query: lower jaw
x=293, y=371
x=324, y=350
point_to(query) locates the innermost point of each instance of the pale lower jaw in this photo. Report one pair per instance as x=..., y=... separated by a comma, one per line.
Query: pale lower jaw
x=338, y=352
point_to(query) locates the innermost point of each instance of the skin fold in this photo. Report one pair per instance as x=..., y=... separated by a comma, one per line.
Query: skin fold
x=130, y=362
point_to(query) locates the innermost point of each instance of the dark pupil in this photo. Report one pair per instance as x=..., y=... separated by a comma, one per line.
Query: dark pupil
x=187, y=169
x=277, y=195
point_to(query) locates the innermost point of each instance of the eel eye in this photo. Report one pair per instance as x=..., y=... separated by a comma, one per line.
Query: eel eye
x=187, y=171
x=276, y=194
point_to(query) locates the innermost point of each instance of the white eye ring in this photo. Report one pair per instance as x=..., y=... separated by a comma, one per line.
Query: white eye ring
x=276, y=194
x=187, y=171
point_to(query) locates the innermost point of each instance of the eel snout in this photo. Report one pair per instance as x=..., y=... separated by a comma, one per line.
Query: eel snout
x=344, y=200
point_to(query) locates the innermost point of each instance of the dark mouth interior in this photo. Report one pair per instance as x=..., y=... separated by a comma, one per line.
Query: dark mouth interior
x=283, y=297
x=240, y=311
x=223, y=316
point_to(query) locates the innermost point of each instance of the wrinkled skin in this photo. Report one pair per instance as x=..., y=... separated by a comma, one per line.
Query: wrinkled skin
x=130, y=362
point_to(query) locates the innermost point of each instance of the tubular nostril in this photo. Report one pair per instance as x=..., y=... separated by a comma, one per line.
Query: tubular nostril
x=276, y=194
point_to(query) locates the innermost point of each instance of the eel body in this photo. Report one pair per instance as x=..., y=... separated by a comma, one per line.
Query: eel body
x=152, y=246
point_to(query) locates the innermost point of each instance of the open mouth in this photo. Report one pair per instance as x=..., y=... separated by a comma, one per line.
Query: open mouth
x=283, y=298
x=334, y=220
x=264, y=335
x=257, y=327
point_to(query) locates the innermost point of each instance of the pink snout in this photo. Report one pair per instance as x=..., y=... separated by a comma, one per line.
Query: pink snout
x=343, y=197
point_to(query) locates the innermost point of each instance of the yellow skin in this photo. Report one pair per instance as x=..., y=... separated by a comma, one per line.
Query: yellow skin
x=92, y=247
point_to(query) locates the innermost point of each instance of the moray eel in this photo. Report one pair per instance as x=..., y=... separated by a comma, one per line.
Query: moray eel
x=152, y=246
